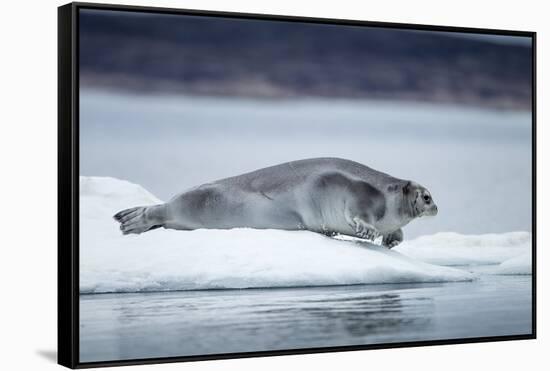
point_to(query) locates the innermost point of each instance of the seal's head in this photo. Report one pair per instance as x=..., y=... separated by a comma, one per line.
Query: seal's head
x=419, y=200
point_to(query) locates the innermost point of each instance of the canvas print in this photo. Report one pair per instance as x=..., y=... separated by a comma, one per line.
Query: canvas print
x=253, y=185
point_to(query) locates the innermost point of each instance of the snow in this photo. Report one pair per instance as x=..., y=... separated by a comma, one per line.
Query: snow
x=164, y=260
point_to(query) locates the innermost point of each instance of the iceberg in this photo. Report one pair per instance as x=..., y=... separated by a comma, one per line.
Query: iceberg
x=168, y=260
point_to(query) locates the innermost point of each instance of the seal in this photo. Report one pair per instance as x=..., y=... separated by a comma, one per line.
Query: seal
x=325, y=195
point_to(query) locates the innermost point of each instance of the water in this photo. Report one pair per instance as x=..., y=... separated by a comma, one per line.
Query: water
x=470, y=159
x=476, y=163
x=145, y=325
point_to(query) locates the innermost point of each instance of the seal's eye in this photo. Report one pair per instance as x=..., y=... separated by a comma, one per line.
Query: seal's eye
x=426, y=198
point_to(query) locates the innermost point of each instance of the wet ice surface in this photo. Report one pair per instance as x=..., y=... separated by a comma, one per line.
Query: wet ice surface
x=144, y=325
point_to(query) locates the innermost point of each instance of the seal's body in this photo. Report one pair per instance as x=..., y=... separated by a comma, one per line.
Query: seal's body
x=325, y=195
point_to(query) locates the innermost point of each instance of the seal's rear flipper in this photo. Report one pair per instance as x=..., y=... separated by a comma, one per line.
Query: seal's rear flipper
x=138, y=219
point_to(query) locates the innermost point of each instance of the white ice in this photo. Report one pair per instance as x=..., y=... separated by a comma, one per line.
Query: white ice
x=517, y=265
x=450, y=248
x=244, y=258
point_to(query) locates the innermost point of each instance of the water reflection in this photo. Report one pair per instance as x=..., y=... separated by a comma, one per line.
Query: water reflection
x=125, y=326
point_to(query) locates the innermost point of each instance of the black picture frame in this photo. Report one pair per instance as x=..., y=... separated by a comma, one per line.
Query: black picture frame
x=68, y=184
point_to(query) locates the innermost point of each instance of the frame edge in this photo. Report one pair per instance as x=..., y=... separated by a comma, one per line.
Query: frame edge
x=67, y=330
x=294, y=18
x=68, y=260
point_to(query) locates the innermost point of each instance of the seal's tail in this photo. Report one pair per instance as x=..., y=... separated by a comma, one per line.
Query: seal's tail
x=137, y=220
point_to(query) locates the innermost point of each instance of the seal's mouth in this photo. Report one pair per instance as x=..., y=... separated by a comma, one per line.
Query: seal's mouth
x=429, y=211
x=432, y=211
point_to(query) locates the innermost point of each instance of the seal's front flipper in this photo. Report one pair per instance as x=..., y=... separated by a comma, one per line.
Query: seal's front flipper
x=365, y=230
x=393, y=239
x=140, y=219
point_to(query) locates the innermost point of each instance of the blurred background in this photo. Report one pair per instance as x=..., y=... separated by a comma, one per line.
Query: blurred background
x=170, y=102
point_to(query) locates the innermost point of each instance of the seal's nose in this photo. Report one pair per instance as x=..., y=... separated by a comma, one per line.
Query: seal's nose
x=434, y=211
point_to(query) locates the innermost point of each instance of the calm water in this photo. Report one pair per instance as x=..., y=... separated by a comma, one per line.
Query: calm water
x=470, y=159
x=144, y=325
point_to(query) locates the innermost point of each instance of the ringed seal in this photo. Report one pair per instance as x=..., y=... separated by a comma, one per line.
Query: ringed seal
x=325, y=195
